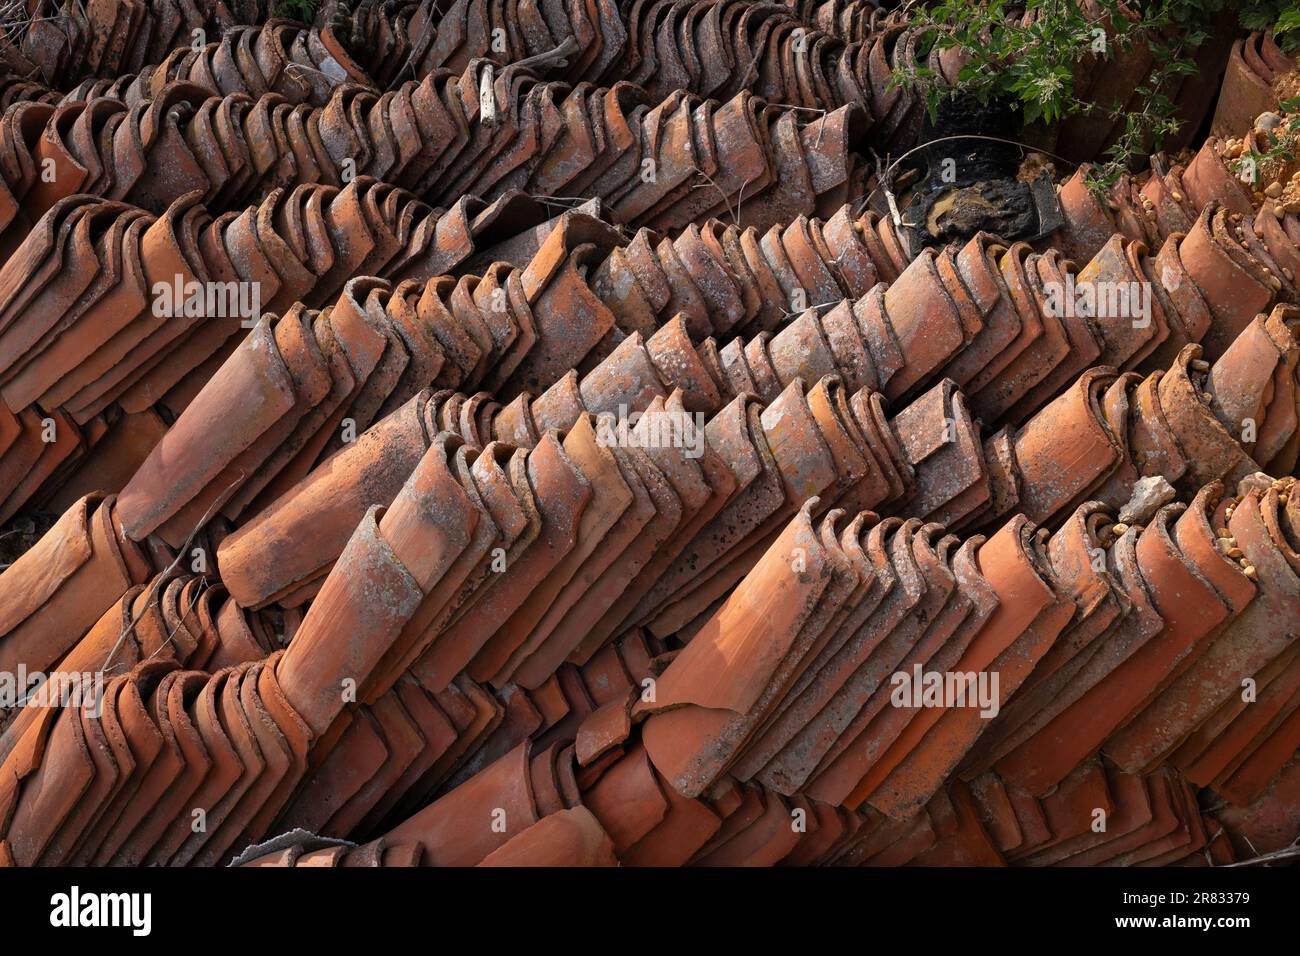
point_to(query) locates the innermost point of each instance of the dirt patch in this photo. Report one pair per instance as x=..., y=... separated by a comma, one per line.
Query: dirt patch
x=1278, y=170
x=1287, y=86
x=18, y=536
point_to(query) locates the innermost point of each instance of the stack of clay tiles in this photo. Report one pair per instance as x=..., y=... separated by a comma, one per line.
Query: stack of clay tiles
x=300, y=63
x=446, y=620
x=768, y=598
x=1079, y=673
x=1165, y=206
x=236, y=132
x=86, y=348
x=597, y=457
x=815, y=56
x=178, y=169
x=712, y=51
x=234, y=119
x=957, y=336
x=112, y=39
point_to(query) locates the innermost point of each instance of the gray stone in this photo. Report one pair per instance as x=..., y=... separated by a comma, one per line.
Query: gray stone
x=1267, y=121
x=1150, y=494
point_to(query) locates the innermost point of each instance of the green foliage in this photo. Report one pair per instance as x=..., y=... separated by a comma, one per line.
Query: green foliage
x=1253, y=167
x=304, y=10
x=1035, y=61
x=1287, y=28
x=1281, y=16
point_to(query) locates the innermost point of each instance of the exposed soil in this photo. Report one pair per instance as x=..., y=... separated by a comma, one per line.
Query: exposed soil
x=22, y=533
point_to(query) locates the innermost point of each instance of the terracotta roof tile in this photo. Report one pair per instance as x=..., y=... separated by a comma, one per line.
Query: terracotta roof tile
x=599, y=455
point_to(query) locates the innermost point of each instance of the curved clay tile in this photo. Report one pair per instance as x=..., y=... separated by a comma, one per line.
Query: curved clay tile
x=694, y=742
x=1248, y=83
x=369, y=470
x=371, y=594
x=1240, y=651
x=565, y=838
x=956, y=605
x=1101, y=605
x=462, y=828
x=58, y=590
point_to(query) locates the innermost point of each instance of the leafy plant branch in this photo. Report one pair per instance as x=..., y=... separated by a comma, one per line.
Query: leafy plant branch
x=1035, y=53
